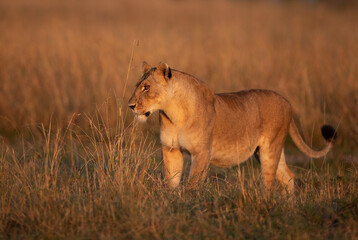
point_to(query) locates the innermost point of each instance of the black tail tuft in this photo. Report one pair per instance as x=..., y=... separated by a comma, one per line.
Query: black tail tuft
x=329, y=133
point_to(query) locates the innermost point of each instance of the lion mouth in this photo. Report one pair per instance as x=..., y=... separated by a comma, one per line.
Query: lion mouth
x=143, y=117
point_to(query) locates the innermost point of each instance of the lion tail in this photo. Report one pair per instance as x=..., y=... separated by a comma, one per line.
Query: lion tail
x=328, y=133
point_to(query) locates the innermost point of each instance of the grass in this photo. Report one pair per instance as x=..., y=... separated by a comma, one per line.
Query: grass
x=74, y=165
x=106, y=183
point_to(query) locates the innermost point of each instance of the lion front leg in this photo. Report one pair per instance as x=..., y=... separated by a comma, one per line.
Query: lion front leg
x=199, y=168
x=173, y=166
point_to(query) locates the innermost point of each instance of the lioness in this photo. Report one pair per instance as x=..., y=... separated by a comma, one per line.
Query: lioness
x=223, y=129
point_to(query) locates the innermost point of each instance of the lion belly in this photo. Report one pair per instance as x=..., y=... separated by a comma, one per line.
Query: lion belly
x=226, y=154
x=236, y=132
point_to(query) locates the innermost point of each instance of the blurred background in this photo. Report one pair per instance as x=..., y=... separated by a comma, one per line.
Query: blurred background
x=58, y=58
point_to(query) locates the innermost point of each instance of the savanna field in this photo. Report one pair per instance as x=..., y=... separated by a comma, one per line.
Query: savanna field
x=75, y=165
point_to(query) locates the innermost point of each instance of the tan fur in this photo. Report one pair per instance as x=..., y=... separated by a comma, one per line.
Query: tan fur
x=223, y=129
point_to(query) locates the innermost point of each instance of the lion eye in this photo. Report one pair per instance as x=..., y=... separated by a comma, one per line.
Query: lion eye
x=145, y=88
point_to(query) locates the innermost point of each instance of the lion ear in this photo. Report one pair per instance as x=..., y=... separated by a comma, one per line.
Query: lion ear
x=145, y=67
x=165, y=69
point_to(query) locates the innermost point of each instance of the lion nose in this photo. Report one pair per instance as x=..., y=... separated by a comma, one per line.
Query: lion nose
x=132, y=106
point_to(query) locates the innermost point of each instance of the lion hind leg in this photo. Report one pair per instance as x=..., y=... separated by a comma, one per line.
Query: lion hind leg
x=269, y=162
x=283, y=175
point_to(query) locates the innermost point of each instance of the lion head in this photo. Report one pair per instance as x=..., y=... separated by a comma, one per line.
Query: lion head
x=152, y=90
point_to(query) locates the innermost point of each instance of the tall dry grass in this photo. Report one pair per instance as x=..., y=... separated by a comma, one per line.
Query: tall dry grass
x=74, y=165
x=101, y=186
x=106, y=184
